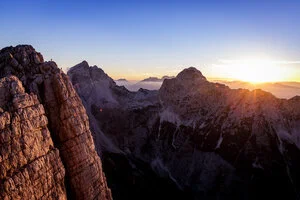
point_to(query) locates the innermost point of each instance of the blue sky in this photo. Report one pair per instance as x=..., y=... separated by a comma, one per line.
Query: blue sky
x=136, y=39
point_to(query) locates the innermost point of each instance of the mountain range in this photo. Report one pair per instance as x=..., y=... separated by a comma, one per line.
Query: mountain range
x=81, y=136
x=151, y=83
x=205, y=140
x=279, y=89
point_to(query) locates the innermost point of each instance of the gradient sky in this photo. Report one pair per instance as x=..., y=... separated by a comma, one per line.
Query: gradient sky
x=137, y=39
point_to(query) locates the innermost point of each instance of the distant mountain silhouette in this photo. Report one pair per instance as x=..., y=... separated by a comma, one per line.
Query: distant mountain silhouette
x=279, y=89
x=122, y=79
x=155, y=79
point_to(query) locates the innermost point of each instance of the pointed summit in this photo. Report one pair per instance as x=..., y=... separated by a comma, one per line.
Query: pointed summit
x=84, y=70
x=84, y=65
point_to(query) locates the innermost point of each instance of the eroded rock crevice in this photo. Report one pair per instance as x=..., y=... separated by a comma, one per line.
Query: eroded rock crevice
x=34, y=85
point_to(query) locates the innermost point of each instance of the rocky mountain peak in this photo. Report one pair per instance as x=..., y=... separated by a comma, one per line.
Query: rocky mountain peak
x=191, y=73
x=184, y=86
x=20, y=60
x=84, y=64
x=90, y=73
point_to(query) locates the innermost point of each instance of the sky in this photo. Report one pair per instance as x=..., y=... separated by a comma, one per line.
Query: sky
x=138, y=39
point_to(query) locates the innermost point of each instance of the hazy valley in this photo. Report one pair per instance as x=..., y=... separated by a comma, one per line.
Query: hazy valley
x=279, y=89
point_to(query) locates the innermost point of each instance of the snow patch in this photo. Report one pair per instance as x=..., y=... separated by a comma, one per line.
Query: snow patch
x=202, y=125
x=174, y=138
x=292, y=137
x=170, y=116
x=296, y=137
x=219, y=142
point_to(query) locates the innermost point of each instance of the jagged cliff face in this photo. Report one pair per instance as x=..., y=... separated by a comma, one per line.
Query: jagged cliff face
x=46, y=105
x=208, y=140
x=30, y=165
x=100, y=94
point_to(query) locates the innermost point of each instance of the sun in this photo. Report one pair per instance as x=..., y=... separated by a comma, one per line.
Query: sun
x=255, y=70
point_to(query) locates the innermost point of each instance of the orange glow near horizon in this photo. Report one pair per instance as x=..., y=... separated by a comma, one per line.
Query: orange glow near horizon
x=253, y=75
x=254, y=71
x=257, y=71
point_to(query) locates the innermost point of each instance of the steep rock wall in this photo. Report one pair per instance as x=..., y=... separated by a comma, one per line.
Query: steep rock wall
x=68, y=122
x=30, y=166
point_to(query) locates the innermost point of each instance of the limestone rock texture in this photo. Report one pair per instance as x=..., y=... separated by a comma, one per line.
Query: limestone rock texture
x=55, y=142
x=30, y=166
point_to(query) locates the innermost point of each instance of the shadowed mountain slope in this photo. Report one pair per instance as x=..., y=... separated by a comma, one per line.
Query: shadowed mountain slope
x=207, y=140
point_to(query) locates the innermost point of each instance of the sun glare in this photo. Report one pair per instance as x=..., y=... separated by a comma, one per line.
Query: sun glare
x=254, y=71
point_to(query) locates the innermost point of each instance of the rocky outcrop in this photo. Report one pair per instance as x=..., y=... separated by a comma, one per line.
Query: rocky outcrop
x=30, y=165
x=68, y=122
x=208, y=140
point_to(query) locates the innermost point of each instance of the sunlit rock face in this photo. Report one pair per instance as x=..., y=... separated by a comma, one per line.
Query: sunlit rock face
x=47, y=149
x=30, y=164
x=194, y=138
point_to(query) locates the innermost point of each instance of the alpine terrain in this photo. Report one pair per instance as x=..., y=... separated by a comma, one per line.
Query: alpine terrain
x=192, y=139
